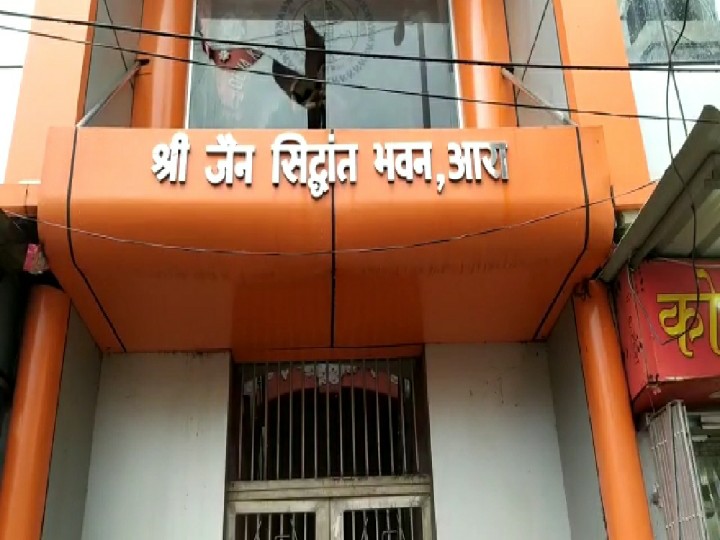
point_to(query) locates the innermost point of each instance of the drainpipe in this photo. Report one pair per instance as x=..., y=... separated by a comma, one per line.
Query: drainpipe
x=616, y=452
x=32, y=421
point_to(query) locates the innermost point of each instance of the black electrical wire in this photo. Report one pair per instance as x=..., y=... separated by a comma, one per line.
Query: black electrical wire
x=667, y=118
x=567, y=110
x=693, y=252
x=373, y=249
x=695, y=66
x=11, y=67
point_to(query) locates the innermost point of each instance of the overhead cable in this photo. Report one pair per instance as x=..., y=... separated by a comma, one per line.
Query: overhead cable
x=443, y=97
x=695, y=66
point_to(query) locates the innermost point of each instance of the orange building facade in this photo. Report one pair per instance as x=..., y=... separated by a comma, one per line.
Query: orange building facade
x=471, y=257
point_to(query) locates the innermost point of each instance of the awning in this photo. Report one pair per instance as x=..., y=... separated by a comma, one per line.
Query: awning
x=205, y=265
x=665, y=226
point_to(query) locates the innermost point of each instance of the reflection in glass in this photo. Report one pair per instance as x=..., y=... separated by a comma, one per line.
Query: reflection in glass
x=653, y=26
x=413, y=29
x=256, y=86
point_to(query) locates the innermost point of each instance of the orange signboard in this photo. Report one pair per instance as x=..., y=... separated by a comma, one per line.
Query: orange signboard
x=206, y=259
x=668, y=320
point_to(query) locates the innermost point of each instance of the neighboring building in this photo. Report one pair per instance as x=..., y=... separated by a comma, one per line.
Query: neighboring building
x=649, y=33
x=419, y=349
x=665, y=268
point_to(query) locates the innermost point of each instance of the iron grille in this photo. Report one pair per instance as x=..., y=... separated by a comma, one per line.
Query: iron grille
x=314, y=420
x=678, y=489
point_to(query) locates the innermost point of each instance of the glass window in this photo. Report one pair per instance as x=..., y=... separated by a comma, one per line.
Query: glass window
x=653, y=26
x=268, y=90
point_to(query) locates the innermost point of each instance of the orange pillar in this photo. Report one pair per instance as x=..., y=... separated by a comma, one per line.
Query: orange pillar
x=591, y=34
x=32, y=423
x=481, y=34
x=161, y=86
x=618, y=461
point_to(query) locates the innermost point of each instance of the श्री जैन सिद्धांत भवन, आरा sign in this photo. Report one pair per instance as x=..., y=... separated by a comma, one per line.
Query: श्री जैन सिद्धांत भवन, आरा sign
x=317, y=166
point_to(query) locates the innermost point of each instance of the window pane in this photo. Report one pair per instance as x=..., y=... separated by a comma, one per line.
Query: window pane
x=410, y=28
x=243, y=98
x=253, y=98
x=653, y=26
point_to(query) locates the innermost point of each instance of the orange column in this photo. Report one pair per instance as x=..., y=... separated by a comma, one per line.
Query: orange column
x=590, y=33
x=481, y=34
x=618, y=461
x=160, y=89
x=32, y=423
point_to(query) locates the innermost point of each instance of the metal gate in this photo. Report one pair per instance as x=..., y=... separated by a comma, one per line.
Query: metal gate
x=330, y=510
x=329, y=450
x=678, y=487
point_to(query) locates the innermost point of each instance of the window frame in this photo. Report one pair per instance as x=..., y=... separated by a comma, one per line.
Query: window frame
x=448, y=5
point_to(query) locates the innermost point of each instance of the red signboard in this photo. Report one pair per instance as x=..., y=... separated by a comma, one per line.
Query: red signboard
x=668, y=322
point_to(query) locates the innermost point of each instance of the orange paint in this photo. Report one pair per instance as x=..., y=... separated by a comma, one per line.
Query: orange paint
x=494, y=287
x=350, y=353
x=32, y=424
x=161, y=86
x=582, y=26
x=481, y=33
x=19, y=198
x=597, y=163
x=49, y=63
x=619, y=471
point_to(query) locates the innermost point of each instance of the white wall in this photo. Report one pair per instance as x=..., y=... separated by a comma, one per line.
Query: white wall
x=72, y=441
x=527, y=19
x=577, y=452
x=496, y=461
x=157, y=469
x=13, y=46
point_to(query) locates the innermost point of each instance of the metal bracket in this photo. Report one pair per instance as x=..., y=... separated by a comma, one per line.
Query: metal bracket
x=127, y=76
x=550, y=109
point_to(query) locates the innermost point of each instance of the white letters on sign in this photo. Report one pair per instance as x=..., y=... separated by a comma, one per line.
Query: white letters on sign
x=317, y=181
x=469, y=162
x=170, y=161
x=319, y=166
x=227, y=168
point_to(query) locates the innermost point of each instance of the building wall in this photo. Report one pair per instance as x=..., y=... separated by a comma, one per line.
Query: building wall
x=497, y=468
x=72, y=443
x=108, y=65
x=532, y=32
x=577, y=453
x=12, y=52
x=139, y=446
